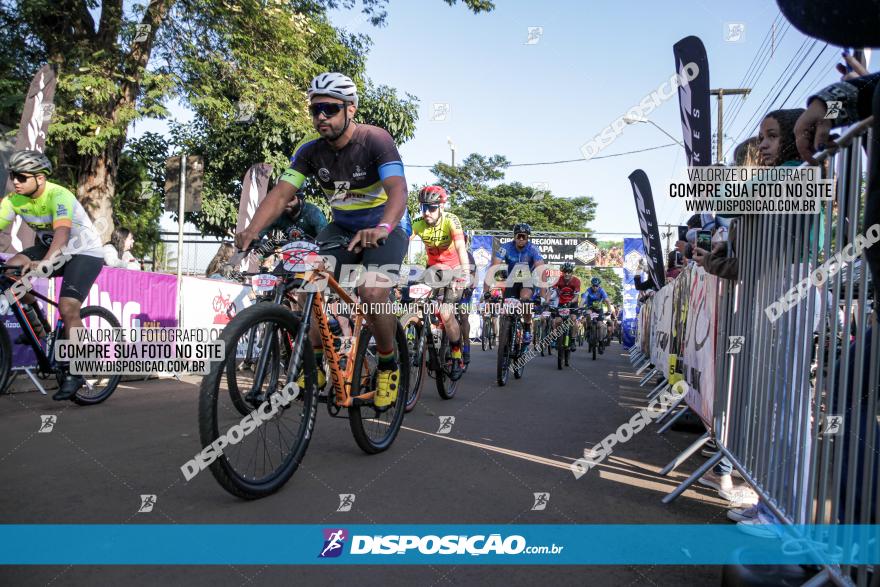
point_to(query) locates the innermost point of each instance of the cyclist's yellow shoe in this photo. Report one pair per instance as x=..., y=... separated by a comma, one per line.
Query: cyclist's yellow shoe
x=322, y=380
x=386, y=388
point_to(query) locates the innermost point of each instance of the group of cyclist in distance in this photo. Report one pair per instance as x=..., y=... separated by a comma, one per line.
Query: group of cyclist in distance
x=359, y=169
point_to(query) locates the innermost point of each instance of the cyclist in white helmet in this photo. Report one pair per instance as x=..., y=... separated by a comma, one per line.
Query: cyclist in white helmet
x=360, y=172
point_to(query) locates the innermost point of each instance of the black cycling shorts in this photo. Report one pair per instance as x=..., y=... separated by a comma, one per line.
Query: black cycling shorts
x=514, y=290
x=391, y=252
x=78, y=273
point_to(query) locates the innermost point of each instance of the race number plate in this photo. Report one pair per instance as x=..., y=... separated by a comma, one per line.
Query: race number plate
x=264, y=283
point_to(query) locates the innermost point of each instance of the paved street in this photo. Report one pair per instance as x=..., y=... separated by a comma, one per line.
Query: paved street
x=506, y=445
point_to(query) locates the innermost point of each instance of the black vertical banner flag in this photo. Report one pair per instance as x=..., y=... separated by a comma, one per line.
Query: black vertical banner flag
x=648, y=223
x=692, y=67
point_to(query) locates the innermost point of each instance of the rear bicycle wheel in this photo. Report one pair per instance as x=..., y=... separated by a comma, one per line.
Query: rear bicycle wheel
x=594, y=340
x=415, y=343
x=97, y=389
x=263, y=450
x=374, y=430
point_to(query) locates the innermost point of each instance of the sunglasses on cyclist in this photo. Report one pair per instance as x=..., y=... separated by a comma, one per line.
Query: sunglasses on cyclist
x=21, y=177
x=430, y=208
x=522, y=235
x=328, y=109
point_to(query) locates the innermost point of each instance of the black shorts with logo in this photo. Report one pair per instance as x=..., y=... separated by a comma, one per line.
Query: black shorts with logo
x=391, y=252
x=78, y=273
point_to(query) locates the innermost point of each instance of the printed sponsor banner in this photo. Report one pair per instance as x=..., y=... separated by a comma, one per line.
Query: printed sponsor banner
x=648, y=223
x=482, y=248
x=661, y=326
x=253, y=189
x=138, y=299
x=583, y=252
x=634, y=255
x=462, y=544
x=212, y=303
x=700, y=335
x=693, y=100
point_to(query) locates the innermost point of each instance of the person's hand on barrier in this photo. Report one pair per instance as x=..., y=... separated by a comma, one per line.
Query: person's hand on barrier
x=719, y=249
x=858, y=70
x=812, y=130
x=700, y=256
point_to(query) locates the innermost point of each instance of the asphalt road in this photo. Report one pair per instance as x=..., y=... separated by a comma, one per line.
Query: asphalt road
x=505, y=445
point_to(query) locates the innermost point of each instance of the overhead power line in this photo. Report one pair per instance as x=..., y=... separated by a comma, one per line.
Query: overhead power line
x=581, y=160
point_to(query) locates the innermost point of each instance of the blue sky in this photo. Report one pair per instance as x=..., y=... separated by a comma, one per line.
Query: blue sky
x=541, y=102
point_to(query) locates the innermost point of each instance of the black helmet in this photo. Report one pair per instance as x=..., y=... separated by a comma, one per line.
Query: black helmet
x=521, y=227
x=568, y=267
x=28, y=161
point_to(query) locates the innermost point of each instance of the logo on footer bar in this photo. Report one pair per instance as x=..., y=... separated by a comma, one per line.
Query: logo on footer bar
x=334, y=541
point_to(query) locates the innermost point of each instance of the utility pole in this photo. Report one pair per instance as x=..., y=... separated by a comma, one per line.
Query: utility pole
x=720, y=92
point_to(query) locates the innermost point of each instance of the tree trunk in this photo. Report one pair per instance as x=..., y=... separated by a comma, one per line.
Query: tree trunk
x=97, y=173
x=97, y=185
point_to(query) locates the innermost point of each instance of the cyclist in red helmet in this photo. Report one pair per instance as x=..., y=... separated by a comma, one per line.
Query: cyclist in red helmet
x=446, y=249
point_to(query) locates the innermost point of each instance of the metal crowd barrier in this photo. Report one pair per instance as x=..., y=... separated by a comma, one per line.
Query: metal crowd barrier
x=796, y=409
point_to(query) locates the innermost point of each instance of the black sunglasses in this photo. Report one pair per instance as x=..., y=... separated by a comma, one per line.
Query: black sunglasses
x=430, y=207
x=522, y=235
x=328, y=109
x=22, y=177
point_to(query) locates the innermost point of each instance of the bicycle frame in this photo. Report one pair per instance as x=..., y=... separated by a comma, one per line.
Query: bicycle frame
x=45, y=358
x=341, y=376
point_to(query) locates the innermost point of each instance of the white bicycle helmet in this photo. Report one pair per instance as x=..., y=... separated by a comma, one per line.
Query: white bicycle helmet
x=335, y=85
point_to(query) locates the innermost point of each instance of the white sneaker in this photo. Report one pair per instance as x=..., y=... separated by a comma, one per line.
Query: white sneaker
x=739, y=496
x=742, y=514
x=717, y=482
x=760, y=526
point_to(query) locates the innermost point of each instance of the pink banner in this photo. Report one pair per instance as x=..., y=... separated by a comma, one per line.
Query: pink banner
x=136, y=298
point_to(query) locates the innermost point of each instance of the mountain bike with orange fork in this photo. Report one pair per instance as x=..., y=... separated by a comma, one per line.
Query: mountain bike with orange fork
x=260, y=452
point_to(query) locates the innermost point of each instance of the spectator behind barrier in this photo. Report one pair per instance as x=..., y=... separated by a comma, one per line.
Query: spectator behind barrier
x=117, y=253
x=219, y=267
x=859, y=97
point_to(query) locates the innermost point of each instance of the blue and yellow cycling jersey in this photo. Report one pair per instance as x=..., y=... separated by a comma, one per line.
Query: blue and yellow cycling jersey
x=351, y=178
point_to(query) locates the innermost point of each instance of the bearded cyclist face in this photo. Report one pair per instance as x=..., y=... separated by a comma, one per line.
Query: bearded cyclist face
x=431, y=213
x=328, y=125
x=521, y=240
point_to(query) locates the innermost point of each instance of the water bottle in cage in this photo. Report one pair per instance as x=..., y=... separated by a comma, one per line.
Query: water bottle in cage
x=336, y=330
x=36, y=320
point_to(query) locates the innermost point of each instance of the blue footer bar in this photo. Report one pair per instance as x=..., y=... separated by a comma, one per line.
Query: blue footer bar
x=526, y=544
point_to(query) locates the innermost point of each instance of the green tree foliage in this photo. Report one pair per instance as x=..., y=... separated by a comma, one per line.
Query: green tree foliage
x=482, y=205
x=120, y=62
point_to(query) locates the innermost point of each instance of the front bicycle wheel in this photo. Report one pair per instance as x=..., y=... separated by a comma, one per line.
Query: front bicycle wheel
x=415, y=344
x=503, y=362
x=97, y=389
x=562, y=343
x=264, y=449
x=446, y=387
x=374, y=430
